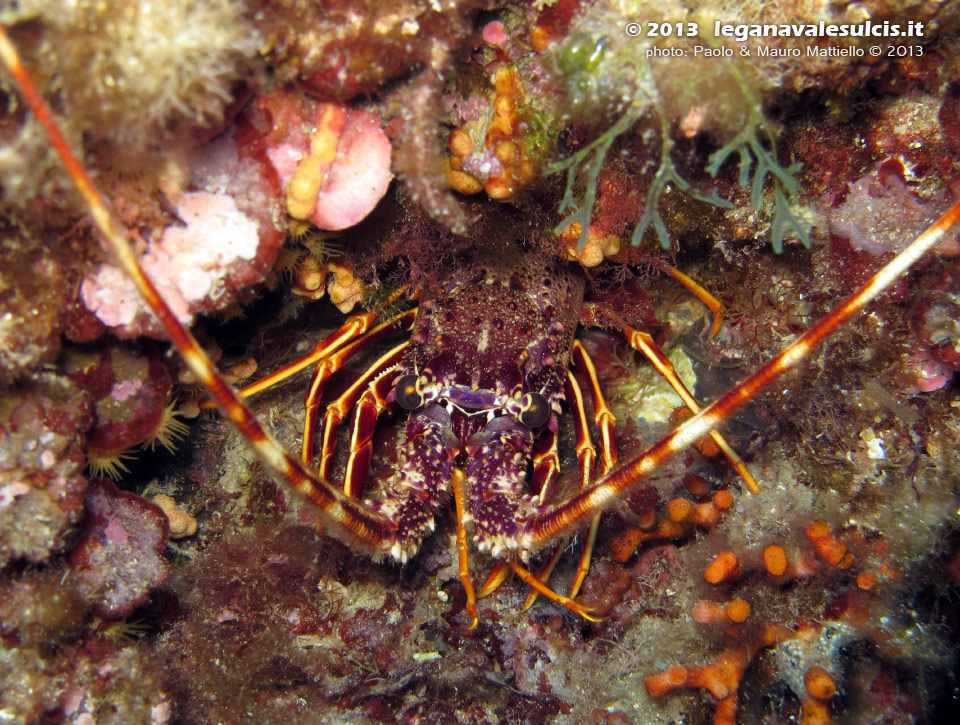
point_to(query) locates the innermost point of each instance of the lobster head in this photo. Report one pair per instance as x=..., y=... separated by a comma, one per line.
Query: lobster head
x=483, y=378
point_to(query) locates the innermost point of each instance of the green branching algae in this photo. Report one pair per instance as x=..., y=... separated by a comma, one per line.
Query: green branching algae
x=605, y=77
x=786, y=188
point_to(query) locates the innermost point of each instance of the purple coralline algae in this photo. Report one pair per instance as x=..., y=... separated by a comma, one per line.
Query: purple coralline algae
x=42, y=427
x=119, y=558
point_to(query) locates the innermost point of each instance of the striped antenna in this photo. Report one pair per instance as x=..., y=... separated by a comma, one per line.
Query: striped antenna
x=574, y=512
x=347, y=515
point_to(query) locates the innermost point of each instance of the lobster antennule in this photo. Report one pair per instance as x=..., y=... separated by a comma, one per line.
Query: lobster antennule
x=368, y=529
x=550, y=525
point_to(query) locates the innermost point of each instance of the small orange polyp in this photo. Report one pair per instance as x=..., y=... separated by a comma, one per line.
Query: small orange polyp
x=647, y=518
x=722, y=568
x=679, y=509
x=705, y=612
x=623, y=546
x=814, y=712
x=460, y=143
x=738, y=610
x=723, y=500
x=666, y=681
x=830, y=549
x=775, y=560
x=819, y=683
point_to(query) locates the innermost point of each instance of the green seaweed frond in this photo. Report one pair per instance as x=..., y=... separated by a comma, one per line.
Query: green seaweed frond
x=758, y=161
x=589, y=160
x=667, y=174
x=786, y=188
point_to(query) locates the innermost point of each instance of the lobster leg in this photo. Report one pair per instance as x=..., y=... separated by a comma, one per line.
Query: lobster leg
x=712, y=303
x=604, y=419
x=527, y=576
x=338, y=409
x=586, y=457
x=586, y=451
x=552, y=522
x=329, y=365
x=602, y=415
x=498, y=576
x=463, y=553
x=546, y=465
x=586, y=454
x=642, y=342
x=356, y=326
x=372, y=404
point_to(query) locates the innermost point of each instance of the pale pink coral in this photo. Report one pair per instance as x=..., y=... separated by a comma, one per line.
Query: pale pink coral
x=881, y=213
x=187, y=263
x=120, y=554
x=930, y=374
x=225, y=238
x=494, y=33
x=359, y=176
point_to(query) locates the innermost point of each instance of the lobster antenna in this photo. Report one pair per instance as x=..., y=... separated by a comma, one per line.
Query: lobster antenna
x=552, y=524
x=359, y=524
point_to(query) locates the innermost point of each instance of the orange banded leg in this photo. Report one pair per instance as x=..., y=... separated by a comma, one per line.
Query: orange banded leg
x=498, y=576
x=527, y=576
x=586, y=451
x=463, y=552
x=586, y=455
x=715, y=305
x=338, y=409
x=331, y=364
x=606, y=422
x=544, y=574
x=546, y=466
x=355, y=327
x=642, y=342
x=602, y=415
x=372, y=403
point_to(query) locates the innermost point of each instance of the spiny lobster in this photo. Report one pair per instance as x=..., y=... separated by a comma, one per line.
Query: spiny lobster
x=476, y=396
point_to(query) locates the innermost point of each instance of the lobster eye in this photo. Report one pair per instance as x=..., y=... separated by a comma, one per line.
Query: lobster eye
x=408, y=392
x=535, y=410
